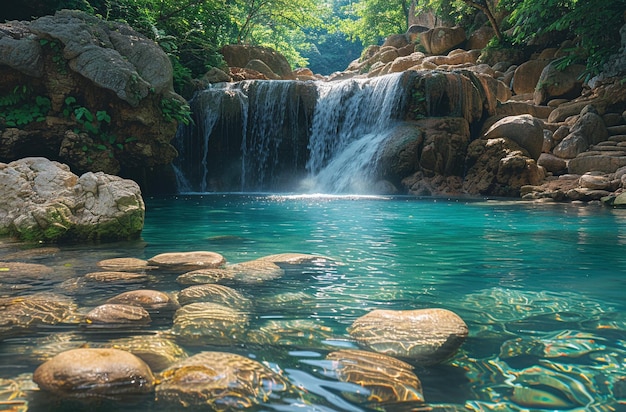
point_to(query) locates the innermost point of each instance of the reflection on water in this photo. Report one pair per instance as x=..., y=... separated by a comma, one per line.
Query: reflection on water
x=541, y=288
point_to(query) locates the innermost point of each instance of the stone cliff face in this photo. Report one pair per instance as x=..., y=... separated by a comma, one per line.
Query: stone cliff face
x=95, y=95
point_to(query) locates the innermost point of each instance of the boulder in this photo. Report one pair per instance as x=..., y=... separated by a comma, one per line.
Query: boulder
x=590, y=126
x=597, y=181
x=78, y=63
x=396, y=40
x=525, y=130
x=571, y=146
x=554, y=83
x=527, y=75
x=95, y=372
x=44, y=201
x=187, y=261
x=553, y=164
x=399, y=156
x=239, y=55
x=499, y=167
x=425, y=336
x=441, y=40
x=604, y=163
x=414, y=31
x=406, y=62
x=261, y=67
x=215, y=75
x=445, y=145
x=479, y=38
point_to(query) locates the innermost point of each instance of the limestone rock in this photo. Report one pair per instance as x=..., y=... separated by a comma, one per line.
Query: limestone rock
x=239, y=55
x=552, y=164
x=426, y=336
x=525, y=130
x=386, y=379
x=187, y=261
x=440, y=40
x=571, y=146
x=599, y=163
x=399, y=156
x=590, y=126
x=93, y=372
x=218, y=381
x=554, y=83
x=216, y=75
x=406, y=62
x=499, y=167
x=396, y=40
x=261, y=67
x=43, y=200
x=102, y=67
x=527, y=75
x=118, y=314
x=444, y=147
x=479, y=38
x=134, y=64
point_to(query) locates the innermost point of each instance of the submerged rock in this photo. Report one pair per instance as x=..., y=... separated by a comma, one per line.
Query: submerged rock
x=219, y=380
x=187, y=261
x=426, y=336
x=115, y=314
x=207, y=322
x=92, y=372
x=385, y=378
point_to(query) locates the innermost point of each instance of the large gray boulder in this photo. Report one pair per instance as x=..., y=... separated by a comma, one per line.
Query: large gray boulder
x=525, y=130
x=43, y=200
x=134, y=64
x=120, y=82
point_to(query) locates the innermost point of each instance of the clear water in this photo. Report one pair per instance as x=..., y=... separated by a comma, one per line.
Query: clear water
x=542, y=288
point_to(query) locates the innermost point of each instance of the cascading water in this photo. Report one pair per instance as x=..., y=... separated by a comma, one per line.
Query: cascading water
x=351, y=120
x=289, y=135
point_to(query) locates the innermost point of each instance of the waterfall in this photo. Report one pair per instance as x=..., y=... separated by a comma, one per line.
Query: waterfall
x=211, y=106
x=260, y=135
x=351, y=120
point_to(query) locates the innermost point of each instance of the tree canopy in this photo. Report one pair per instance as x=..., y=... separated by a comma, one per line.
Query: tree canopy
x=192, y=31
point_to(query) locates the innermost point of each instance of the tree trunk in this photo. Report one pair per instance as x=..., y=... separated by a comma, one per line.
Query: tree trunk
x=485, y=9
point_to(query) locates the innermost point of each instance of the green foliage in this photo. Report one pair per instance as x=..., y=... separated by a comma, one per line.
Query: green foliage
x=20, y=108
x=57, y=54
x=96, y=125
x=175, y=110
x=594, y=24
x=370, y=21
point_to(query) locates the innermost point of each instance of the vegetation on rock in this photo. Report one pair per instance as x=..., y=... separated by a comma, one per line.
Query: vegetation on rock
x=192, y=31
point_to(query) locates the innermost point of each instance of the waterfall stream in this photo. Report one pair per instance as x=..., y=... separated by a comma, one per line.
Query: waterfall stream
x=288, y=135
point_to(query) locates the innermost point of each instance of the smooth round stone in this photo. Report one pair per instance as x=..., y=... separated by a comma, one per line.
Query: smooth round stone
x=115, y=277
x=17, y=271
x=204, y=276
x=22, y=313
x=218, y=380
x=207, y=322
x=187, y=261
x=302, y=333
x=94, y=372
x=287, y=301
x=294, y=258
x=151, y=300
x=34, y=253
x=255, y=271
x=117, y=314
x=426, y=336
x=219, y=294
x=386, y=379
x=124, y=265
x=158, y=351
